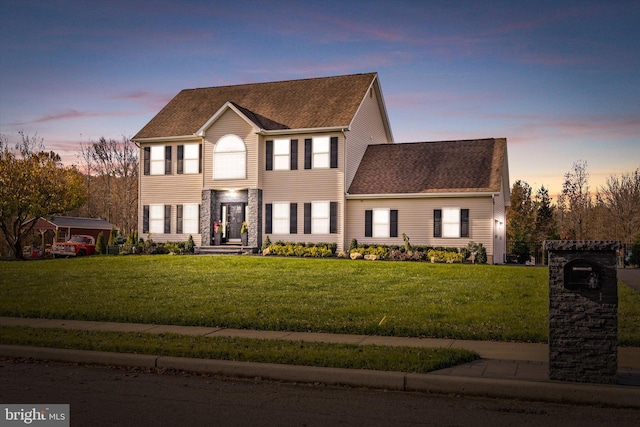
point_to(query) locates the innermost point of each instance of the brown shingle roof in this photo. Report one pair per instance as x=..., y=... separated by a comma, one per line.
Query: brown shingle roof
x=293, y=104
x=431, y=167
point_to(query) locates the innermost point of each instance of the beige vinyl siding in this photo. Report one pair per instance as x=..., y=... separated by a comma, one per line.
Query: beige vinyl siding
x=230, y=123
x=367, y=128
x=304, y=186
x=171, y=190
x=415, y=219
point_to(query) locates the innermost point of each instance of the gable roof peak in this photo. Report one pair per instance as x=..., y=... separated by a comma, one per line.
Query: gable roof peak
x=313, y=103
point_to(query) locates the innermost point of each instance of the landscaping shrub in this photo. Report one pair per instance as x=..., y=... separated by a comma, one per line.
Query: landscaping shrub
x=101, y=246
x=266, y=242
x=312, y=250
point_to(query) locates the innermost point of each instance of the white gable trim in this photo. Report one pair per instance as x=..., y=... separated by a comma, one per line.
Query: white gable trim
x=227, y=106
x=169, y=139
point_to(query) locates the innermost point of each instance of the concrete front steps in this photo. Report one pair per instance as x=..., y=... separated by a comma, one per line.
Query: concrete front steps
x=226, y=249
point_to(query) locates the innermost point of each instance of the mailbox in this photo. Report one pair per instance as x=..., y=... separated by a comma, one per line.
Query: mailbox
x=582, y=274
x=583, y=311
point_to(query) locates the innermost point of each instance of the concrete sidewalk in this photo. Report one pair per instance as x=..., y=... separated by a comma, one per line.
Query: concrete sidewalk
x=513, y=370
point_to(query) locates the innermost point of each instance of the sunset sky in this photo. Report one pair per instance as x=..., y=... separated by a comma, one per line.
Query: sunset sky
x=559, y=79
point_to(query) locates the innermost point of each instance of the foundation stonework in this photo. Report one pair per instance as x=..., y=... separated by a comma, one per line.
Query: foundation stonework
x=583, y=311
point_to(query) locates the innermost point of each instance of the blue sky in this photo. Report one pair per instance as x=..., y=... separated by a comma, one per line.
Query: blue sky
x=559, y=79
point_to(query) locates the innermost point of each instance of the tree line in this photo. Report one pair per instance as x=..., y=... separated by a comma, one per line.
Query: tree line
x=610, y=212
x=35, y=183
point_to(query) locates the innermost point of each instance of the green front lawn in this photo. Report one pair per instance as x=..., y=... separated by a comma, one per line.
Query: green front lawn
x=349, y=356
x=329, y=295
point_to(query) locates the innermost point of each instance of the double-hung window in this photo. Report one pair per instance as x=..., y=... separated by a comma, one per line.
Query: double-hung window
x=157, y=160
x=280, y=218
x=381, y=223
x=156, y=219
x=189, y=158
x=281, y=154
x=451, y=223
x=320, y=218
x=190, y=218
x=321, y=152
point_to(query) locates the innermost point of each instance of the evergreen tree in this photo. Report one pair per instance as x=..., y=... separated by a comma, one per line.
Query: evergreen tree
x=101, y=246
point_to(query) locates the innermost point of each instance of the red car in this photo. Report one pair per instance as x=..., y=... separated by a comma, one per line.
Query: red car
x=76, y=246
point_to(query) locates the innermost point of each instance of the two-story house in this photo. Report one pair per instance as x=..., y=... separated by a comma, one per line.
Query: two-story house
x=312, y=160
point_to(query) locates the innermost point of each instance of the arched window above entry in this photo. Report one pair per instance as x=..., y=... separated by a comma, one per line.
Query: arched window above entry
x=230, y=158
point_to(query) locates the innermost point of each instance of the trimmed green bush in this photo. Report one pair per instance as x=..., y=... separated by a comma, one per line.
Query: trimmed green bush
x=101, y=246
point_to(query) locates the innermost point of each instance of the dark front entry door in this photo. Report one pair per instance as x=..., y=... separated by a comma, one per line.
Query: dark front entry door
x=235, y=216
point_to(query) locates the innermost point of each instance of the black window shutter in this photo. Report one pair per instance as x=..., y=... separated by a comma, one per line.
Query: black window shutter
x=293, y=218
x=307, y=218
x=437, y=223
x=145, y=219
x=167, y=219
x=307, y=153
x=464, y=222
x=180, y=158
x=334, y=152
x=393, y=223
x=268, y=218
x=333, y=217
x=269, y=160
x=293, y=154
x=200, y=159
x=368, y=223
x=179, y=218
x=147, y=160
x=167, y=160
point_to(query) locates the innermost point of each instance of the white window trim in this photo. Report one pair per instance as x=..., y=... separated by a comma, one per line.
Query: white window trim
x=190, y=218
x=156, y=219
x=280, y=221
x=281, y=154
x=191, y=158
x=229, y=164
x=381, y=222
x=451, y=218
x=320, y=224
x=156, y=156
x=321, y=159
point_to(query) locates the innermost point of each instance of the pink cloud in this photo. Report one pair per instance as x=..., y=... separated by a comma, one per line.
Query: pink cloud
x=72, y=114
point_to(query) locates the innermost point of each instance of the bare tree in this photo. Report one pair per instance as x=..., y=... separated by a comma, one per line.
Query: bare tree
x=621, y=199
x=575, y=202
x=111, y=168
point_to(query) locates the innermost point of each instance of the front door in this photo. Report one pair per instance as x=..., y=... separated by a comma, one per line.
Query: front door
x=234, y=217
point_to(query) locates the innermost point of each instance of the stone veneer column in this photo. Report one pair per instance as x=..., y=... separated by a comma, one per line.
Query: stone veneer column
x=254, y=221
x=583, y=311
x=206, y=211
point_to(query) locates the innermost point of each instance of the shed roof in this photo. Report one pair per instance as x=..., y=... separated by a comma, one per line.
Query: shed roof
x=292, y=104
x=76, y=222
x=432, y=167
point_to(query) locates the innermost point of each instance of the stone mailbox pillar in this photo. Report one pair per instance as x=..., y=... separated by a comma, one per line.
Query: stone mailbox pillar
x=583, y=311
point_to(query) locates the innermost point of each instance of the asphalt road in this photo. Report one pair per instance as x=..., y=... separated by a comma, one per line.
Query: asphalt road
x=103, y=396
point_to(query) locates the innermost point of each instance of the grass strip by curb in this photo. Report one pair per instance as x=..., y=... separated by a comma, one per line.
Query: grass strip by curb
x=399, y=359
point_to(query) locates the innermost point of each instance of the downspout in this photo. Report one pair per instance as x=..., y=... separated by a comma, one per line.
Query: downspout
x=344, y=190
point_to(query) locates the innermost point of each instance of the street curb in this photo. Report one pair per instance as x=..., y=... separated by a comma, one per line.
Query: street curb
x=575, y=393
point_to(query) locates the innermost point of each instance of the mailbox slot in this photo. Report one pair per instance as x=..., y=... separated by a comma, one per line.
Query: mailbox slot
x=582, y=274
